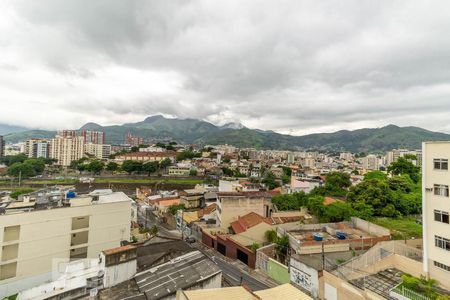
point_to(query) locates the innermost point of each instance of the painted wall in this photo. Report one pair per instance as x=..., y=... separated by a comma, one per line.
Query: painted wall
x=278, y=271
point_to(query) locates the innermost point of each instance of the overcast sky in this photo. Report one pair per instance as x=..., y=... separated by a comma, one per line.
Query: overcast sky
x=290, y=66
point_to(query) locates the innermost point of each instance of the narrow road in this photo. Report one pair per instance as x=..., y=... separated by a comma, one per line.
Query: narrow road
x=231, y=273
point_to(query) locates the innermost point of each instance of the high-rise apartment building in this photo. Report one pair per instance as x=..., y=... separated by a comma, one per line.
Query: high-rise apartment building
x=100, y=151
x=38, y=232
x=436, y=210
x=133, y=140
x=2, y=146
x=93, y=137
x=36, y=148
x=66, y=147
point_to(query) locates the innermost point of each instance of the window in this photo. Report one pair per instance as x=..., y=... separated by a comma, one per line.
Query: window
x=441, y=242
x=442, y=266
x=440, y=164
x=441, y=216
x=441, y=190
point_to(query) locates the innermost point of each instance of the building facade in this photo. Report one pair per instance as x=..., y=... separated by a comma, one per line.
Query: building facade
x=93, y=137
x=436, y=210
x=100, y=151
x=33, y=240
x=2, y=146
x=66, y=147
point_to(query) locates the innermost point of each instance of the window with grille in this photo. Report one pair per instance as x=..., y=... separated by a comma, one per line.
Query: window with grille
x=442, y=242
x=440, y=164
x=441, y=190
x=441, y=216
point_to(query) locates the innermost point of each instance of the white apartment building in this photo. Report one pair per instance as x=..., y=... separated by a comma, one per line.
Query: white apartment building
x=370, y=162
x=66, y=148
x=100, y=151
x=436, y=210
x=36, y=237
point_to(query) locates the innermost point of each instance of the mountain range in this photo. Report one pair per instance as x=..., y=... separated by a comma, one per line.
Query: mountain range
x=159, y=128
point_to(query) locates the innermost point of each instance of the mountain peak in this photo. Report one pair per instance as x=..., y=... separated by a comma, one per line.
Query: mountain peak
x=91, y=126
x=233, y=125
x=154, y=118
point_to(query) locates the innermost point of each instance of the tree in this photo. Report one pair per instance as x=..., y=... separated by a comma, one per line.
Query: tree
x=271, y=236
x=227, y=171
x=337, y=212
x=112, y=166
x=281, y=247
x=193, y=172
x=254, y=246
x=95, y=166
x=337, y=182
x=21, y=169
x=375, y=175
x=12, y=159
x=131, y=166
x=270, y=181
x=172, y=209
x=403, y=166
x=165, y=163
x=373, y=192
x=150, y=167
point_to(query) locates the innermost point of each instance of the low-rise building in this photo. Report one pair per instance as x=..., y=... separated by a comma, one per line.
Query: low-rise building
x=147, y=156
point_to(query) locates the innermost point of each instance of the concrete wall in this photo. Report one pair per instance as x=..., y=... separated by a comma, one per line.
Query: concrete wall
x=305, y=277
x=369, y=227
x=119, y=273
x=333, y=285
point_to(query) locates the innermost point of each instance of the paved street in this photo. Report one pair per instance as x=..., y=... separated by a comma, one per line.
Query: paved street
x=149, y=220
x=233, y=275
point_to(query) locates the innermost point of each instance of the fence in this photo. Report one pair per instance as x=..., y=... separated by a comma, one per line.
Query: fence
x=402, y=293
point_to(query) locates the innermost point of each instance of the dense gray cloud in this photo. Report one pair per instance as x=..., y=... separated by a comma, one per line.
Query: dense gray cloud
x=290, y=66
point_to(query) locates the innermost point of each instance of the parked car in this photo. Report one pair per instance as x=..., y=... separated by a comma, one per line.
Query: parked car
x=190, y=240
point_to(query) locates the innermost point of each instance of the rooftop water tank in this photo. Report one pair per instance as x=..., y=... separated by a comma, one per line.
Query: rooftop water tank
x=318, y=237
x=341, y=235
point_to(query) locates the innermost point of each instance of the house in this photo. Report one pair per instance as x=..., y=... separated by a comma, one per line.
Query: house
x=230, y=205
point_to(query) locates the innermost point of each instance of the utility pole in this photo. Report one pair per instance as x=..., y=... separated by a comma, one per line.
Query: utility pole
x=323, y=256
x=20, y=177
x=182, y=224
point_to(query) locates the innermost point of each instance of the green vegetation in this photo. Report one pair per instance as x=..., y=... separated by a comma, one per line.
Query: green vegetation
x=112, y=166
x=401, y=228
x=19, y=192
x=174, y=208
x=270, y=181
x=20, y=165
x=200, y=132
x=281, y=244
x=188, y=154
x=255, y=246
x=376, y=196
x=422, y=285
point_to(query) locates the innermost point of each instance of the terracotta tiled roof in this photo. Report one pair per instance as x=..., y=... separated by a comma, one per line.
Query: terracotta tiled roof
x=329, y=200
x=118, y=249
x=207, y=210
x=248, y=221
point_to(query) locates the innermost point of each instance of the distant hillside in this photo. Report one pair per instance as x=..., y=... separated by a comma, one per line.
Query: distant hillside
x=5, y=129
x=200, y=132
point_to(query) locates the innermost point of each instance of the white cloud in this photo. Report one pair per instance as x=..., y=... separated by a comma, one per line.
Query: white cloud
x=291, y=66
